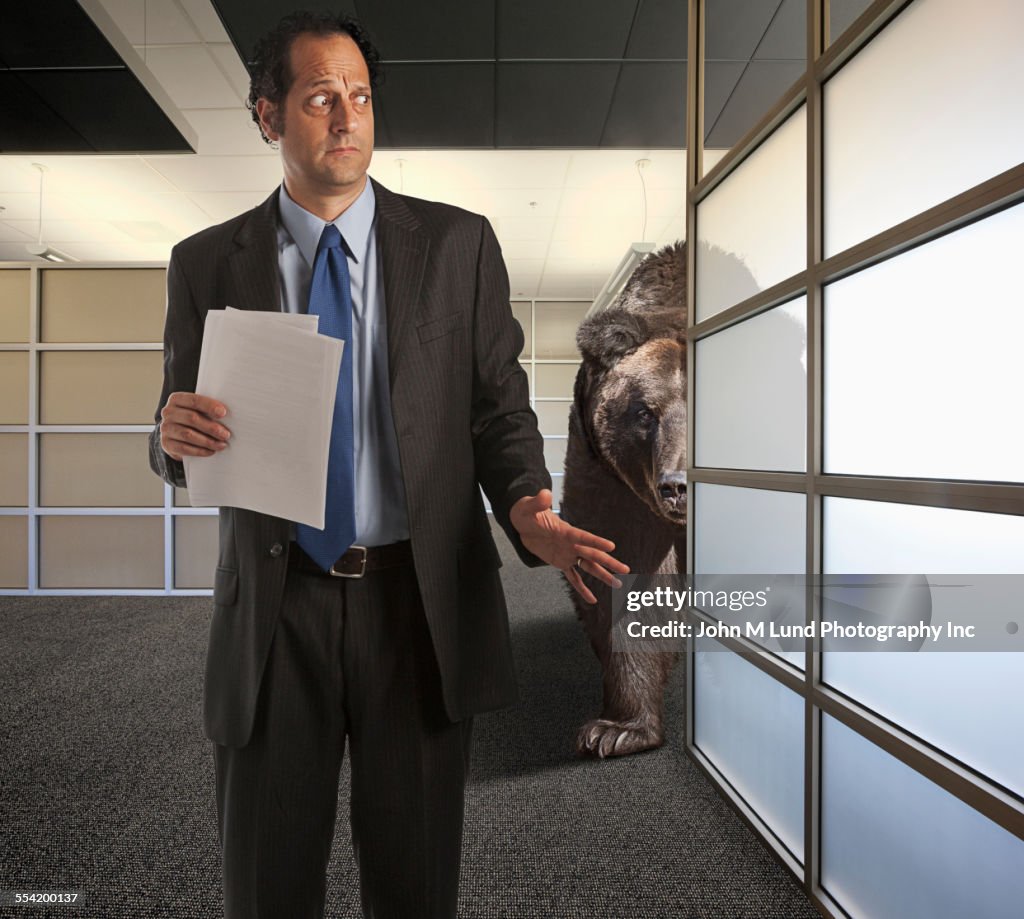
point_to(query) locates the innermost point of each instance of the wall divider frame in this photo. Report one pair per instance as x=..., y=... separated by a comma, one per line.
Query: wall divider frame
x=824, y=59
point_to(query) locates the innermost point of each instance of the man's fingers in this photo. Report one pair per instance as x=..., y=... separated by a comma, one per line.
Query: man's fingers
x=200, y=403
x=592, y=540
x=183, y=438
x=176, y=449
x=599, y=559
x=573, y=577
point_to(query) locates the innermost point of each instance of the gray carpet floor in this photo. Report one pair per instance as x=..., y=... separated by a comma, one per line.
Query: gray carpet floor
x=106, y=781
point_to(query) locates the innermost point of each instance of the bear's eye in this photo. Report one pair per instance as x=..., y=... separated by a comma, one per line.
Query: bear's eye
x=644, y=415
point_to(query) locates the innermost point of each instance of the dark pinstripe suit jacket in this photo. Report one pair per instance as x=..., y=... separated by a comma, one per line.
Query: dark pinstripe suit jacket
x=461, y=414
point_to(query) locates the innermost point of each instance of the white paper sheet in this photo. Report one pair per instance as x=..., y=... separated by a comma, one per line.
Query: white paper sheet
x=278, y=378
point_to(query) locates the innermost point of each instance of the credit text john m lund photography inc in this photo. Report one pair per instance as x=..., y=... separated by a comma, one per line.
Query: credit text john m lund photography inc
x=511, y=460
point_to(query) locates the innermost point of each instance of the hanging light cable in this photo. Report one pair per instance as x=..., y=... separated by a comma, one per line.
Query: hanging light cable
x=39, y=248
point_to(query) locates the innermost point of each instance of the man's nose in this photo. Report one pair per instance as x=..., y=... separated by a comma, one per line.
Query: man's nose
x=345, y=118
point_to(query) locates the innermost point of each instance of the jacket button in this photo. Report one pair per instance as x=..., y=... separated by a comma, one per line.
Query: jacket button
x=276, y=549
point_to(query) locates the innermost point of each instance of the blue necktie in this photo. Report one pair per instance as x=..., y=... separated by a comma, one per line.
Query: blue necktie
x=330, y=298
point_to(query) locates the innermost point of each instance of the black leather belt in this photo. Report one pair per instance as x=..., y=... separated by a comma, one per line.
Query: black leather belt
x=359, y=560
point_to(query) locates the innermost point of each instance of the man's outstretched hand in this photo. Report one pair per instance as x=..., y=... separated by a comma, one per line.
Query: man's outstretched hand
x=565, y=547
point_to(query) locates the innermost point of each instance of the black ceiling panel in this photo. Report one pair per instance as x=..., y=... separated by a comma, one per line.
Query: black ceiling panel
x=65, y=89
x=842, y=13
x=246, y=21
x=760, y=87
x=649, y=107
x=53, y=34
x=786, y=38
x=553, y=105
x=134, y=122
x=566, y=30
x=659, y=31
x=720, y=79
x=733, y=28
x=438, y=105
x=442, y=30
x=29, y=125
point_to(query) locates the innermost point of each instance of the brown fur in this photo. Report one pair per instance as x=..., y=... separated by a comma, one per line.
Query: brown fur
x=625, y=478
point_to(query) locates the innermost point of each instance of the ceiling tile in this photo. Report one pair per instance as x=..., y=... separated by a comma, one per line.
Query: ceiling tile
x=659, y=30
x=553, y=105
x=648, y=108
x=204, y=17
x=221, y=173
x=11, y=231
x=232, y=67
x=247, y=21
x=786, y=38
x=442, y=30
x=56, y=33
x=226, y=131
x=223, y=205
x=525, y=228
x=602, y=168
x=190, y=77
x=761, y=86
x=569, y=29
x=622, y=202
x=164, y=23
x=720, y=79
x=524, y=248
x=733, y=28
x=439, y=105
x=28, y=124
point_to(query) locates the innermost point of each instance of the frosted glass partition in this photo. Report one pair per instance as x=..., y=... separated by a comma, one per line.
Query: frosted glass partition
x=751, y=392
x=894, y=405
x=905, y=130
x=895, y=844
x=937, y=696
x=750, y=531
x=752, y=728
x=742, y=249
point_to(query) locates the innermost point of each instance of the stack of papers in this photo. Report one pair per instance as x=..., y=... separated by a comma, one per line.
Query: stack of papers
x=278, y=378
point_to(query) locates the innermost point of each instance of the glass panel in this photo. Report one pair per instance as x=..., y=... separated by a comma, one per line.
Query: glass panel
x=751, y=382
x=904, y=130
x=91, y=304
x=936, y=696
x=743, y=249
x=556, y=329
x=13, y=387
x=99, y=387
x=895, y=318
x=895, y=844
x=113, y=552
x=15, y=308
x=523, y=313
x=752, y=728
x=195, y=551
x=14, y=463
x=556, y=381
x=751, y=531
x=554, y=455
x=553, y=417
x=14, y=558
x=754, y=52
x=97, y=470
x=841, y=14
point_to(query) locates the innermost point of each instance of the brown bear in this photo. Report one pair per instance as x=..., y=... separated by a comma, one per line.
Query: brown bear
x=625, y=478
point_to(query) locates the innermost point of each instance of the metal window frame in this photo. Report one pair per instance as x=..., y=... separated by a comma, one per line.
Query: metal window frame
x=824, y=59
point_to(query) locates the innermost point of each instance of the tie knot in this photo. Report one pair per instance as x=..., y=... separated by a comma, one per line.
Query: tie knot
x=330, y=238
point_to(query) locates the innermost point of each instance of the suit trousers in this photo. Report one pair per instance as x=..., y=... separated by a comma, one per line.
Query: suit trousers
x=349, y=658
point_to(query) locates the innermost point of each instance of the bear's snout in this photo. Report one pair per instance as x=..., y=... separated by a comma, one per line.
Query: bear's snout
x=672, y=491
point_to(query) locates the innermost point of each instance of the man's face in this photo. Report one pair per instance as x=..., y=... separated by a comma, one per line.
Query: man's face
x=325, y=127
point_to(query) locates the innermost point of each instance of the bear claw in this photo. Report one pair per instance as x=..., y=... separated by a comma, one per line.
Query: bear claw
x=602, y=738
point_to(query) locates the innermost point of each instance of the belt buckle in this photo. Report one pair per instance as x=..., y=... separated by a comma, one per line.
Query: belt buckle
x=362, y=568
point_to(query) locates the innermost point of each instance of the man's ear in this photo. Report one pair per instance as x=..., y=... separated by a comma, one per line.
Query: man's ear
x=269, y=118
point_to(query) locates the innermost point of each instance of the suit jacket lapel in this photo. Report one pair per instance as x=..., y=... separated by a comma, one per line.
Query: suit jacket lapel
x=402, y=248
x=255, y=282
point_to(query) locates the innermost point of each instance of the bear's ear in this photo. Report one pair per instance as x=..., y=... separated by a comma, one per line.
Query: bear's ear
x=609, y=336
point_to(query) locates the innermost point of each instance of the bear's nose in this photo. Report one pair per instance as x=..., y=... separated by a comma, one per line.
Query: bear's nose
x=672, y=486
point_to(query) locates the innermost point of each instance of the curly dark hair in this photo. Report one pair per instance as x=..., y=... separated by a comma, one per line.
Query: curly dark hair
x=270, y=73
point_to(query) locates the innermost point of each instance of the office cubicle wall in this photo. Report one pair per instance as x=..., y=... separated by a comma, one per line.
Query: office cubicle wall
x=80, y=376
x=856, y=385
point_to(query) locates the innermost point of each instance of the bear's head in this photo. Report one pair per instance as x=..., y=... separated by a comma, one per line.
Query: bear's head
x=630, y=393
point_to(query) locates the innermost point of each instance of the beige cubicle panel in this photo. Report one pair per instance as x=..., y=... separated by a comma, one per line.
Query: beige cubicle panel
x=555, y=335
x=97, y=470
x=99, y=387
x=15, y=305
x=102, y=305
x=14, y=463
x=195, y=551
x=14, y=385
x=555, y=381
x=14, y=557
x=553, y=417
x=111, y=551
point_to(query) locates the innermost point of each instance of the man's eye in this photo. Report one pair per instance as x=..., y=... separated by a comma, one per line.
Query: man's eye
x=320, y=100
x=363, y=98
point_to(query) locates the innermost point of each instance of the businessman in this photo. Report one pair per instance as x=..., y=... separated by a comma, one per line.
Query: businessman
x=388, y=628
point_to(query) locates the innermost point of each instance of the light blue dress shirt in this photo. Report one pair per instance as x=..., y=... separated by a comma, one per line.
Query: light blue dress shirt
x=381, y=515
